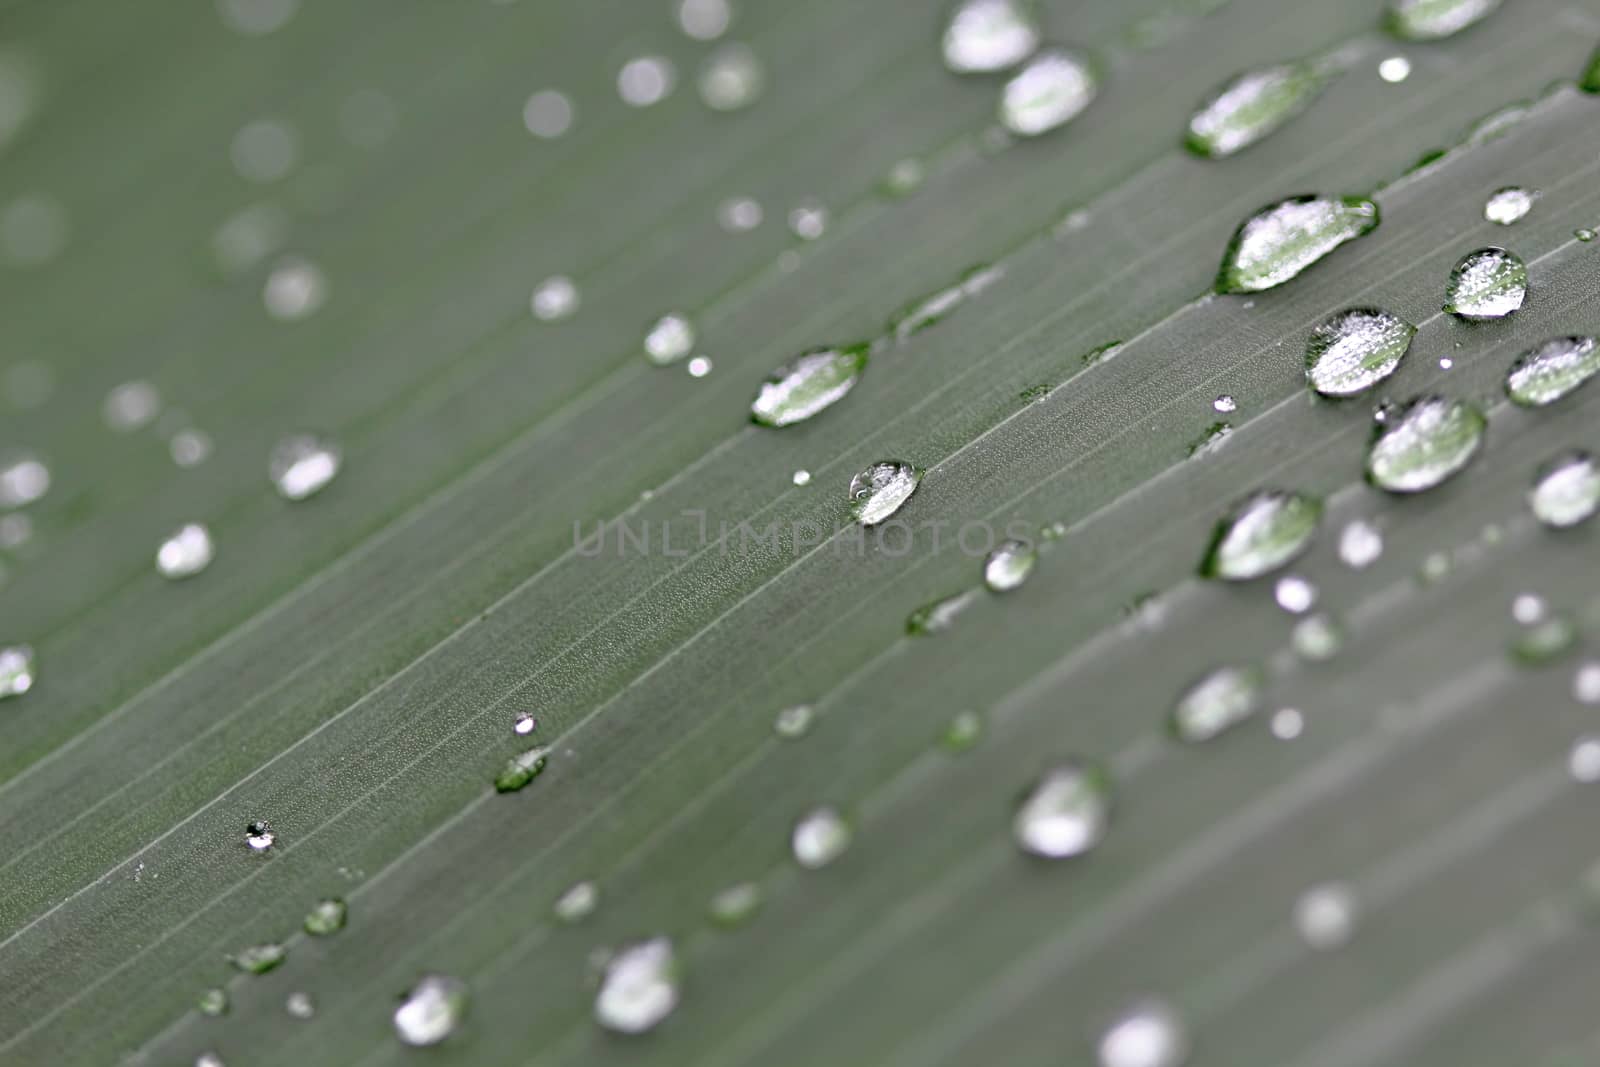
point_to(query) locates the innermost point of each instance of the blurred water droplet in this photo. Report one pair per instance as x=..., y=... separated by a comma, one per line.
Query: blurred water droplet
x=1251, y=106
x=265, y=150
x=1394, y=69
x=554, y=299
x=431, y=1011
x=964, y=731
x=801, y=477
x=249, y=236
x=295, y=289
x=935, y=308
x=699, y=366
x=548, y=113
x=1066, y=812
x=1586, y=683
x=24, y=478
x=1583, y=234
x=904, y=177
x=983, y=36
x=639, y=987
x=1527, y=608
x=1545, y=641
x=1566, y=490
x=732, y=78
x=879, y=491
x=213, y=1002
x=704, y=20
x=131, y=406
x=300, y=1005
x=1294, y=594
x=1225, y=404
x=1490, y=283
x=1317, y=638
x=1508, y=205
x=524, y=724
x=185, y=553
x=820, y=837
x=1355, y=349
x=1551, y=370
x=17, y=670
x=16, y=530
x=1583, y=762
x=735, y=904
x=1430, y=20
x=739, y=214
x=794, y=722
x=1009, y=565
x=669, y=339
x=809, y=220
x=521, y=769
x=1360, y=544
x=938, y=616
x=1219, y=701
x=1281, y=240
x=810, y=384
x=646, y=81
x=578, y=902
x=1426, y=442
x=33, y=230
x=302, y=465
x=1325, y=916
x=1261, y=533
x=1148, y=1034
x=326, y=917
x=208, y=1059
x=256, y=18
x=1049, y=92
x=1287, y=724
x=258, y=959
x=258, y=836
x=189, y=448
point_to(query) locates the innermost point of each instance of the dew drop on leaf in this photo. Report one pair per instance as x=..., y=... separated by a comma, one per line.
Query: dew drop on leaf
x=938, y=616
x=794, y=722
x=300, y=1005
x=669, y=339
x=639, y=987
x=646, y=81
x=964, y=731
x=1586, y=683
x=1147, y=1034
x=1261, y=533
x=258, y=836
x=258, y=959
x=1583, y=760
x=1066, y=812
x=704, y=20
x=524, y=724
x=186, y=552
x=989, y=35
x=1355, y=349
x=302, y=465
x=1394, y=69
x=1360, y=544
x=1251, y=106
x=521, y=769
x=1283, y=239
x=1221, y=700
x=808, y=220
x=1325, y=916
x=213, y=1002
x=1508, y=205
x=1317, y=638
x=578, y=902
x=131, y=406
x=1294, y=594
x=735, y=904
x=732, y=78
x=431, y=1011
x=326, y=917
x=1549, y=371
x=1054, y=87
x=554, y=299
x=24, y=478
x=1566, y=490
x=811, y=383
x=1488, y=284
x=879, y=491
x=1009, y=565
x=17, y=670
x=1545, y=641
x=295, y=289
x=820, y=837
x=1425, y=443
x=1287, y=724
x=1430, y=20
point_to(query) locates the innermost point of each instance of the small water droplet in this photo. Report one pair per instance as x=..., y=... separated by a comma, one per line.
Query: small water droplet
x=1583, y=234
x=811, y=383
x=735, y=904
x=259, y=836
x=1287, y=724
x=24, y=478
x=1317, y=638
x=524, y=724
x=669, y=339
x=1325, y=916
x=185, y=553
x=265, y=150
x=208, y=1059
x=639, y=987
x=1426, y=442
x=964, y=731
x=1394, y=69
x=1583, y=762
x=935, y=308
x=431, y=1011
x=794, y=722
x=1360, y=544
x=739, y=214
x=1435, y=567
x=1281, y=240
x=704, y=20
x=249, y=236
x=189, y=448
x=295, y=289
x=1049, y=92
x=938, y=616
x=554, y=299
x=809, y=220
x=258, y=959
x=326, y=917
x=300, y=1005
x=732, y=78
x=1261, y=533
x=879, y=491
x=1355, y=349
x=1551, y=370
x=1586, y=683
x=905, y=177
x=646, y=81
x=1527, y=608
x=521, y=769
x=578, y=902
x=1251, y=106
x=1445, y=363
x=1545, y=641
x=1066, y=812
x=1490, y=283
x=801, y=478
x=302, y=465
x=17, y=670
x=1219, y=701
x=213, y=1002
x=820, y=837
x=984, y=36
x=548, y=113
x=1148, y=1034
x=1225, y=404
x=1508, y=205
x=1566, y=490
x=1294, y=594
x=1430, y=20
x=131, y=406
x=1009, y=565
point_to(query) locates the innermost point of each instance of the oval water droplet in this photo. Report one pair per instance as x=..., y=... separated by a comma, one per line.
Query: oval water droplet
x=258, y=959
x=1490, y=283
x=732, y=78
x=1549, y=371
x=1420, y=446
x=1283, y=239
x=812, y=383
x=302, y=465
x=300, y=1005
x=555, y=298
x=1294, y=594
x=735, y=904
x=1049, y=92
x=213, y=1002
x=964, y=731
x=1508, y=205
x=1261, y=533
x=431, y=1011
x=208, y=1059
x=1251, y=106
x=1066, y=812
x=1544, y=641
x=24, y=478
x=639, y=987
x=1430, y=20
x=524, y=724
x=933, y=309
x=938, y=616
x=879, y=491
x=820, y=837
x=578, y=902
x=185, y=553
x=989, y=35
x=1009, y=565
x=326, y=917
x=669, y=339
x=1148, y=1034
x=794, y=722
x=258, y=835
x=17, y=670
x=1222, y=699
x=1317, y=638
x=1325, y=916
x=521, y=769
x=1566, y=490
x=1355, y=349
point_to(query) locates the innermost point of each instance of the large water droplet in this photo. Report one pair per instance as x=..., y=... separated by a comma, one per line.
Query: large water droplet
x=24, y=478
x=1066, y=812
x=1429, y=20
x=259, y=959
x=1508, y=205
x=1251, y=106
x=1566, y=491
x=1009, y=565
x=1149, y=1034
x=812, y=383
x=820, y=837
x=877, y=492
x=1222, y=699
x=938, y=616
x=1325, y=916
x=1425, y=443
x=989, y=35
x=1355, y=349
x=1549, y=371
x=187, y=552
x=639, y=987
x=669, y=339
x=1261, y=533
x=326, y=917
x=1047, y=93
x=1487, y=284
x=1283, y=239
x=432, y=1010
x=521, y=769
x=578, y=902
x=17, y=670
x=302, y=465
x=258, y=835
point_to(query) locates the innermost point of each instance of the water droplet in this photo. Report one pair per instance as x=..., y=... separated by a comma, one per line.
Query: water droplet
x=187, y=552
x=1219, y=701
x=1317, y=638
x=1047, y=93
x=189, y=448
x=794, y=722
x=554, y=299
x=300, y=1005
x=1261, y=533
x=646, y=81
x=1549, y=371
x=578, y=902
x=739, y=214
x=131, y=406
x=208, y=1059
x=295, y=289
x=524, y=724
x=302, y=465
x=1294, y=594
x=639, y=987
x=1325, y=916
x=811, y=383
x=1566, y=490
x=934, y=309
x=258, y=959
x=213, y=1002
x=905, y=177
x=1225, y=404
x=1287, y=724
x=1435, y=567
x=938, y=616
x=1527, y=608
x=265, y=150
x=256, y=18
x=1487, y=284
x=1423, y=444
x=809, y=220
x=1009, y=565
x=735, y=904
x=1394, y=69
x=1360, y=544
x=1508, y=205
x=432, y=1010
x=1429, y=20
x=801, y=478
x=521, y=769
x=259, y=836
x=1248, y=108
x=1148, y=1034
x=17, y=670
x=1355, y=349
x=1584, y=235
x=548, y=113
x=820, y=837
x=1283, y=239
x=33, y=229
x=989, y=35
x=15, y=530
x=1545, y=641
x=669, y=339
x=964, y=731
x=732, y=78
x=1586, y=683
x=1066, y=812
x=880, y=490
x=326, y=917
x=1583, y=762
x=249, y=236
x=24, y=478
x=704, y=20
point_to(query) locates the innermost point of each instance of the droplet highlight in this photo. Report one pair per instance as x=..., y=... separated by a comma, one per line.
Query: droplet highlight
x=1148, y=1034
x=820, y=837
x=521, y=769
x=1009, y=565
x=1566, y=490
x=1508, y=205
x=639, y=987
x=302, y=465
x=185, y=553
